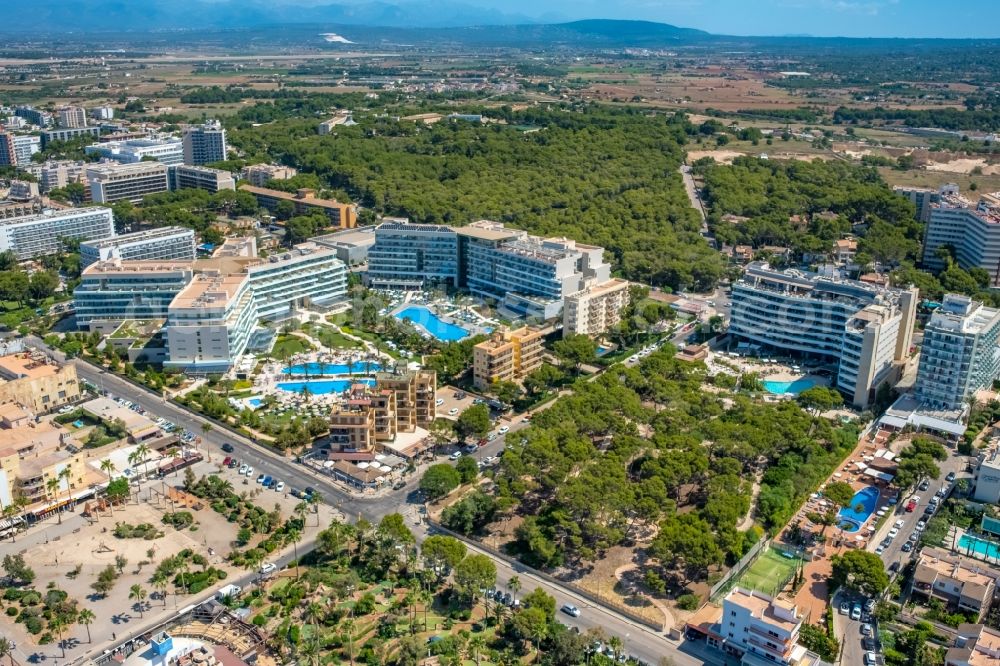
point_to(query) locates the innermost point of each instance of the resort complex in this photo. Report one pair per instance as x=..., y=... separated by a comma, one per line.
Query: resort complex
x=528, y=276
x=862, y=331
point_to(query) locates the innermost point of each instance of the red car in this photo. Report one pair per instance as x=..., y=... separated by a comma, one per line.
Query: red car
x=910, y=506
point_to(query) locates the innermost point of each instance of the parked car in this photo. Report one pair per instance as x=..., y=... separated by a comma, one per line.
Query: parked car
x=870, y=606
x=907, y=547
x=950, y=477
x=242, y=470
x=871, y=659
x=227, y=461
x=249, y=471
x=260, y=479
x=921, y=525
x=268, y=567
x=856, y=611
x=265, y=479
x=893, y=532
x=227, y=447
x=280, y=487
x=570, y=610
x=503, y=430
x=455, y=456
x=439, y=402
x=879, y=549
x=845, y=608
x=924, y=485
x=453, y=411
x=866, y=629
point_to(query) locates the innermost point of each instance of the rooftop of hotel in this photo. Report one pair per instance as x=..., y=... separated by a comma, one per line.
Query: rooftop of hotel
x=958, y=312
x=814, y=285
x=53, y=213
x=304, y=195
x=359, y=236
x=118, y=266
x=549, y=250
x=146, y=234
x=488, y=230
x=41, y=435
x=113, y=168
x=602, y=288
x=209, y=290
x=406, y=225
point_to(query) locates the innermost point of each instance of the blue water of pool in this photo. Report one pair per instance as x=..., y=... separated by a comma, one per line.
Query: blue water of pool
x=423, y=318
x=323, y=386
x=987, y=550
x=358, y=367
x=851, y=519
x=255, y=402
x=791, y=388
x=78, y=423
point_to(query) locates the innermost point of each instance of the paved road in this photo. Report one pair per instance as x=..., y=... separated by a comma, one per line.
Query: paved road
x=641, y=642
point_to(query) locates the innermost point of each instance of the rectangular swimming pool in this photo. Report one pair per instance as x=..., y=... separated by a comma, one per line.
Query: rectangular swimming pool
x=983, y=549
x=323, y=386
x=356, y=368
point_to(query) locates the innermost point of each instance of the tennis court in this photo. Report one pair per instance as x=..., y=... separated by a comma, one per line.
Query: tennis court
x=769, y=571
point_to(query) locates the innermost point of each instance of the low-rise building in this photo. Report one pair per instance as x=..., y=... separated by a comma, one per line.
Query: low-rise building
x=200, y=177
x=304, y=201
x=975, y=645
x=351, y=245
x=127, y=182
x=595, y=309
x=508, y=356
x=964, y=584
x=68, y=134
x=159, y=244
x=259, y=175
x=844, y=250
x=166, y=150
x=37, y=382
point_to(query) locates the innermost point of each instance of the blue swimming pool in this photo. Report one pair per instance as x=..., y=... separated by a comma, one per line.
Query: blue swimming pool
x=423, y=318
x=851, y=518
x=791, y=388
x=255, y=402
x=976, y=547
x=323, y=386
x=358, y=367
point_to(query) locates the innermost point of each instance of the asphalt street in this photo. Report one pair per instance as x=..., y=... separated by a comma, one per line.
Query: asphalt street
x=640, y=642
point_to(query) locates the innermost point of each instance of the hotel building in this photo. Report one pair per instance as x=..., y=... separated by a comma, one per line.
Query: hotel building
x=924, y=197
x=112, y=291
x=159, y=244
x=528, y=276
x=128, y=182
x=167, y=151
x=37, y=382
x=204, y=144
x=43, y=234
x=865, y=329
x=959, y=355
x=972, y=230
x=202, y=178
x=341, y=215
x=975, y=645
x=68, y=134
x=17, y=149
x=508, y=356
x=72, y=116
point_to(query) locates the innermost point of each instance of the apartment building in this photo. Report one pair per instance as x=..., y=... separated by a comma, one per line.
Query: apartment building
x=986, y=479
x=259, y=175
x=760, y=629
x=12, y=209
x=959, y=355
x=34, y=116
x=43, y=234
x=595, y=309
x=352, y=430
x=72, y=116
x=166, y=150
x=17, y=149
x=113, y=291
x=36, y=381
x=159, y=244
x=975, y=645
x=508, y=356
x=962, y=583
x=204, y=144
x=924, y=197
x=528, y=276
x=68, y=134
x=58, y=173
x=865, y=329
x=972, y=230
x=103, y=113
x=22, y=190
x=844, y=250
x=127, y=182
x=202, y=178
x=304, y=201
x=415, y=394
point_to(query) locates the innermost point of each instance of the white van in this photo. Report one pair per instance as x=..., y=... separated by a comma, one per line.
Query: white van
x=228, y=591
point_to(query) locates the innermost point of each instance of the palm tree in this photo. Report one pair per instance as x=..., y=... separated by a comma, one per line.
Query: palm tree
x=86, y=618
x=52, y=486
x=294, y=535
x=109, y=468
x=477, y=643
x=426, y=598
x=138, y=593
x=159, y=581
x=513, y=585
x=141, y=454
x=57, y=625
x=7, y=649
x=64, y=474
x=315, y=499
x=616, y=646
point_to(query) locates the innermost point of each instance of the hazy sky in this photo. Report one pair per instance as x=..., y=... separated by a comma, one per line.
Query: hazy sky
x=850, y=18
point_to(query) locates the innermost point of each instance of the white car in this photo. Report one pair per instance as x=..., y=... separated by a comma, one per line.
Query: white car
x=280, y=487
x=893, y=532
x=242, y=470
x=439, y=402
x=455, y=456
x=899, y=523
x=879, y=550
x=453, y=411
x=921, y=525
x=503, y=430
x=249, y=471
x=268, y=567
x=570, y=610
